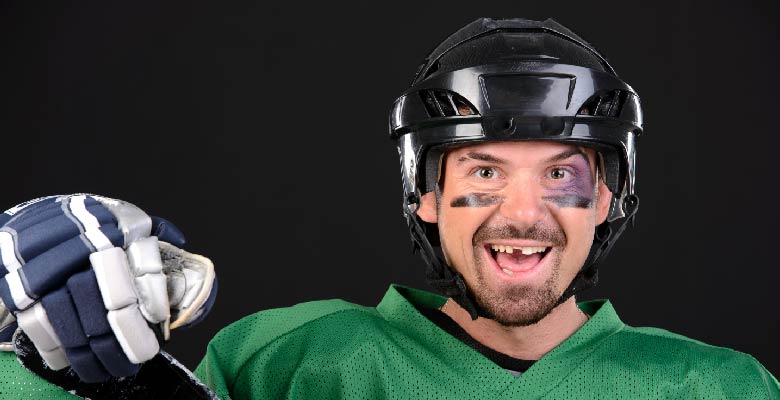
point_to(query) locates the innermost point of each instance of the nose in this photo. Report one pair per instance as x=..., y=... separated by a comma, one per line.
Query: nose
x=523, y=203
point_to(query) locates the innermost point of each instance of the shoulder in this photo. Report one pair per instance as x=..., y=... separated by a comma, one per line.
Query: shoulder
x=328, y=318
x=667, y=354
x=673, y=346
x=265, y=326
x=318, y=331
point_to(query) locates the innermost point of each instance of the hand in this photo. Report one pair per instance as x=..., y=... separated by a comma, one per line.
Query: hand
x=85, y=278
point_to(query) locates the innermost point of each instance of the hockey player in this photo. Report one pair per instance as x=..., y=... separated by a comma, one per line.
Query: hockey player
x=517, y=145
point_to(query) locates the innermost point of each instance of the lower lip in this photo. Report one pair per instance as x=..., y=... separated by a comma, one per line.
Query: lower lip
x=517, y=275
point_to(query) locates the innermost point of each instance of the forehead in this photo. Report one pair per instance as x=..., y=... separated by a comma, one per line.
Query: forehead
x=516, y=152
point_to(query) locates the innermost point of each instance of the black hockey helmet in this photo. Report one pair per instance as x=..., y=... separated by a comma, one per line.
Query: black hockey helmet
x=515, y=79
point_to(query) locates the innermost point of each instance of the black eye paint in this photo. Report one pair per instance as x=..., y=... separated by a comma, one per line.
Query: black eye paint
x=477, y=200
x=569, y=200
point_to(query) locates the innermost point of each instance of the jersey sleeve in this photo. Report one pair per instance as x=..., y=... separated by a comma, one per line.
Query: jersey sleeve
x=769, y=382
x=234, y=346
x=772, y=385
x=745, y=378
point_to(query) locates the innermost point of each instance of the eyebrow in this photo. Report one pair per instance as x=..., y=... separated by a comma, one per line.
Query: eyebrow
x=481, y=157
x=568, y=153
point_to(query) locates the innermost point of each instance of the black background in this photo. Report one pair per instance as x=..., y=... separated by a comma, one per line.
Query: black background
x=261, y=130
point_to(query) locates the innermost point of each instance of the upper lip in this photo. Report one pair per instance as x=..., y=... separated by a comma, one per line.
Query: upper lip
x=521, y=243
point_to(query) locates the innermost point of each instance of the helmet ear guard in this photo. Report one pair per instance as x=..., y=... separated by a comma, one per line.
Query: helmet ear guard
x=464, y=94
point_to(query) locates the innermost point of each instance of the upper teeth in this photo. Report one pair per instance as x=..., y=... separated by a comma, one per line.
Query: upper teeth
x=523, y=250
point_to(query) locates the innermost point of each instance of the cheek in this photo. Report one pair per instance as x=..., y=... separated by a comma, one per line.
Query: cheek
x=460, y=223
x=456, y=231
x=579, y=226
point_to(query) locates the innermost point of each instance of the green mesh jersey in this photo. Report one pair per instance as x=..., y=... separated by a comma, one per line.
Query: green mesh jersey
x=16, y=382
x=337, y=350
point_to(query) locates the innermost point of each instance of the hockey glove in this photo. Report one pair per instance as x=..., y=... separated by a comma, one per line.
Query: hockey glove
x=89, y=282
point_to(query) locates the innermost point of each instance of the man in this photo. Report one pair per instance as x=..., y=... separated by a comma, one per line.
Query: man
x=517, y=150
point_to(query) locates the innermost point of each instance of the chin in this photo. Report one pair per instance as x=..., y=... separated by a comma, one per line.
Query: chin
x=515, y=302
x=517, y=305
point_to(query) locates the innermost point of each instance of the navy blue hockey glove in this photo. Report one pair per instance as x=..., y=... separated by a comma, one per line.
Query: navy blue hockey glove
x=96, y=283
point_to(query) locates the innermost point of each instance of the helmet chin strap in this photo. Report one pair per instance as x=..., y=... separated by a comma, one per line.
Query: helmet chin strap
x=451, y=284
x=603, y=239
x=440, y=275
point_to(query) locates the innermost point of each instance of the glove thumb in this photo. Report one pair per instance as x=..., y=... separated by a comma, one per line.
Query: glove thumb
x=166, y=231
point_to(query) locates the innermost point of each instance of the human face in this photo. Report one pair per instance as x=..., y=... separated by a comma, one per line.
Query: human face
x=541, y=198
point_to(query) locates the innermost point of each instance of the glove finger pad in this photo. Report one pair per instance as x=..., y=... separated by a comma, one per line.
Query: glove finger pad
x=56, y=359
x=35, y=322
x=84, y=290
x=95, y=358
x=109, y=352
x=86, y=364
x=95, y=320
x=134, y=335
x=143, y=256
x=113, y=277
x=64, y=318
x=153, y=293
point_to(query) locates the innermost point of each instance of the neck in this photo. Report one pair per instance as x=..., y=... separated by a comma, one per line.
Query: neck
x=524, y=342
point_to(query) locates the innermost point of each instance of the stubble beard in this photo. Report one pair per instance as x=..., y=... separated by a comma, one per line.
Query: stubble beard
x=516, y=305
x=519, y=304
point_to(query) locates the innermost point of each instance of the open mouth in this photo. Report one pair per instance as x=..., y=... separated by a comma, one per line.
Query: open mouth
x=516, y=259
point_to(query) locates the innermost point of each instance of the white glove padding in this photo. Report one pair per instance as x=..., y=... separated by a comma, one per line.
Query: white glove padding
x=125, y=307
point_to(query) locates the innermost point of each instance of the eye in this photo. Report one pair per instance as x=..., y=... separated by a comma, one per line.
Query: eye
x=558, y=173
x=486, y=173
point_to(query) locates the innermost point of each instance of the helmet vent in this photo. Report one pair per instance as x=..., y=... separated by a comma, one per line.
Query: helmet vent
x=442, y=103
x=606, y=104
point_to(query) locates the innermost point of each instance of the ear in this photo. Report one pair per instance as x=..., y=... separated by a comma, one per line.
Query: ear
x=427, y=210
x=603, y=203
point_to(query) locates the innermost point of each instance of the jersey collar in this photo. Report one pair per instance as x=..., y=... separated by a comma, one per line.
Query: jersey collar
x=399, y=307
